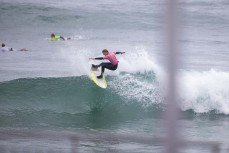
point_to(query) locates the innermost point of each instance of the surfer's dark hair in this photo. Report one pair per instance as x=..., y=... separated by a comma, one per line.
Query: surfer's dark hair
x=105, y=50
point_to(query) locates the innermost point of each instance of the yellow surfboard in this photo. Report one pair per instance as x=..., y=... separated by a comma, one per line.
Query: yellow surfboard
x=102, y=83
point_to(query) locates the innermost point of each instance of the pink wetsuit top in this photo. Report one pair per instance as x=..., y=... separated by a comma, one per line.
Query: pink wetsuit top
x=111, y=57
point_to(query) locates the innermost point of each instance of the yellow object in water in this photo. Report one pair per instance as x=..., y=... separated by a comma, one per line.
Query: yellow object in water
x=55, y=38
x=102, y=83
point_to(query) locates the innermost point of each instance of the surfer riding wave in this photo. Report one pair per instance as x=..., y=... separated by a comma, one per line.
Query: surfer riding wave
x=112, y=65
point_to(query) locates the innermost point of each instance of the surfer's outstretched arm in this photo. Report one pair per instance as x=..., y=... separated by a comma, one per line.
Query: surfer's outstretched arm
x=97, y=58
x=62, y=38
x=119, y=52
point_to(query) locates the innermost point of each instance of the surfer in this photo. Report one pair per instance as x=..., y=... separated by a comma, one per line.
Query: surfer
x=55, y=37
x=112, y=65
x=4, y=48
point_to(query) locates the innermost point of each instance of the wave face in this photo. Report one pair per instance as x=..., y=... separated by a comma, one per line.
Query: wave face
x=59, y=101
x=78, y=102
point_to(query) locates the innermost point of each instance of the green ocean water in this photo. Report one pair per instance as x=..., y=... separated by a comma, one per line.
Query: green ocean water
x=69, y=102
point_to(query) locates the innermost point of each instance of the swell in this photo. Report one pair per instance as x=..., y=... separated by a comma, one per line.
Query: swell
x=39, y=92
x=142, y=91
x=76, y=102
x=66, y=102
x=28, y=14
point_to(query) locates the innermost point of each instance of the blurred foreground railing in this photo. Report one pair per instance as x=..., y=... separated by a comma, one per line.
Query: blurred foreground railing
x=74, y=139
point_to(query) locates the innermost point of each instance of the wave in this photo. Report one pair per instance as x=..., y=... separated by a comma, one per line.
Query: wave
x=78, y=92
x=204, y=91
x=201, y=92
x=77, y=102
x=62, y=101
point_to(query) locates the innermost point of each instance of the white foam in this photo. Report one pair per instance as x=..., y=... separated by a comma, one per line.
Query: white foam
x=204, y=91
x=142, y=80
x=137, y=60
x=137, y=88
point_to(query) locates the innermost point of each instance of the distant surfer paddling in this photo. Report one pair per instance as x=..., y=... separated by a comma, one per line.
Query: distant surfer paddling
x=56, y=38
x=112, y=65
x=4, y=48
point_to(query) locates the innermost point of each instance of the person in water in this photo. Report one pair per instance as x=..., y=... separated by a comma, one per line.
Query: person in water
x=4, y=48
x=55, y=37
x=112, y=65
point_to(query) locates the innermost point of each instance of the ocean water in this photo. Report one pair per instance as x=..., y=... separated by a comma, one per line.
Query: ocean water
x=49, y=86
